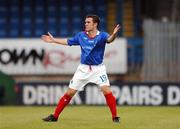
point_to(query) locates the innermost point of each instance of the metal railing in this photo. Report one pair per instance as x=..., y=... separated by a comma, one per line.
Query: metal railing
x=161, y=51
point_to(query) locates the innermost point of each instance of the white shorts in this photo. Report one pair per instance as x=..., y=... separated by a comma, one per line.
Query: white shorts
x=89, y=73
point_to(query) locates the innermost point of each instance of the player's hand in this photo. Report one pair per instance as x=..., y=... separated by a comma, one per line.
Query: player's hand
x=48, y=38
x=116, y=29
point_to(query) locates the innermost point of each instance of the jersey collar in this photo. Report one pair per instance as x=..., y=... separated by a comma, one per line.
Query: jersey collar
x=98, y=32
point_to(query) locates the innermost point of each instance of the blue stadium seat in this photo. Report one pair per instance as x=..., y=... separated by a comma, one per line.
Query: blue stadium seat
x=100, y=2
x=27, y=26
x=27, y=32
x=75, y=31
x=39, y=26
x=63, y=8
x=63, y=29
x=52, y=25
x=14, y=26
x=76, y=24
x=26, y=8
x=101, y=10
x=26, y=11
x=27, y=21
x=3, y=22
x=52, y=30
x=3, y=12
x=103, y=24
x=64, y=12
x=3, y=25
x=75, y=12
x=14, y=12
x=3, y=33
x=76, y=27
x=76, y=20
x=76, y=8
x=64, y=33
x=14, y=2
x=89, y=8
x=63, y=21
x=39, y=8
x=39, y=2
x=39, y=32
x=51, y=22
x=39, y=21
x=14, y=33
x=3, y=2
x=76, y=2
x=51, y=11
x=39, y=11
x=63, y=3
x=27, y=2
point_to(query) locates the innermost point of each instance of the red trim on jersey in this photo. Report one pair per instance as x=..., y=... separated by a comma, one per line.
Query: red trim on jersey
x=90, y=67
x=89, y=36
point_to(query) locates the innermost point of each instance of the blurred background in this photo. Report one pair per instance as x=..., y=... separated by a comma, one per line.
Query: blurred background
x=149, y=55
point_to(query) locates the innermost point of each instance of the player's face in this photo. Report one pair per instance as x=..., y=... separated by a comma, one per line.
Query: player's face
x=89, y=24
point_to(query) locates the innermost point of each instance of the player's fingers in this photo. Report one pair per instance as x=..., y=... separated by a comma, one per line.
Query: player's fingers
x=44, y=37
x=118, y=26
x=50, y=34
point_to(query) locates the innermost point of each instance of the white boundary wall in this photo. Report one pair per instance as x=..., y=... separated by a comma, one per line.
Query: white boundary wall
x=35, y=57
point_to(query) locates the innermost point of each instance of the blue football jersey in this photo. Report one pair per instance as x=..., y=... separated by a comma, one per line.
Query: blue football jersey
x=92, y=49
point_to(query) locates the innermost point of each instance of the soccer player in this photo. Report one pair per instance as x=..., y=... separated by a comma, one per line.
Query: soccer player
x=91, y=69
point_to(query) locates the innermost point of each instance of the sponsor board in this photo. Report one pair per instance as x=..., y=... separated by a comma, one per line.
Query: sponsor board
x=33, y=56
x=149, y=94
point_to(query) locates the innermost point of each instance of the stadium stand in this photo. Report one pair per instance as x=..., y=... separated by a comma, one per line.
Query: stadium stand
x=26, y=18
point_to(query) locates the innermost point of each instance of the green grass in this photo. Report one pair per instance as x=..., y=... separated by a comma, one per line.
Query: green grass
x=90, y=117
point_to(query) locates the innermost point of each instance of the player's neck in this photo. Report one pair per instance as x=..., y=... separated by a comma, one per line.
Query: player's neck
x=92, y=33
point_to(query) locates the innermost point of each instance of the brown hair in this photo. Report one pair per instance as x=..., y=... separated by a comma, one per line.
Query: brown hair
x=95, y=18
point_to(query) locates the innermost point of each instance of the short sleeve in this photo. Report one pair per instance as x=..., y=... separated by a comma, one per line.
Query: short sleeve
x=74, y=40
x=105, y=36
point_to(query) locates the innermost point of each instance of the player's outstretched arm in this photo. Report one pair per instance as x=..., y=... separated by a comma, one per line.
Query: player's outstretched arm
x=50, y=39
x=114, y=34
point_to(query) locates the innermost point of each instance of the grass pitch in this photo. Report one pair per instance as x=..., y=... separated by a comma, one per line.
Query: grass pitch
x=90, y=117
